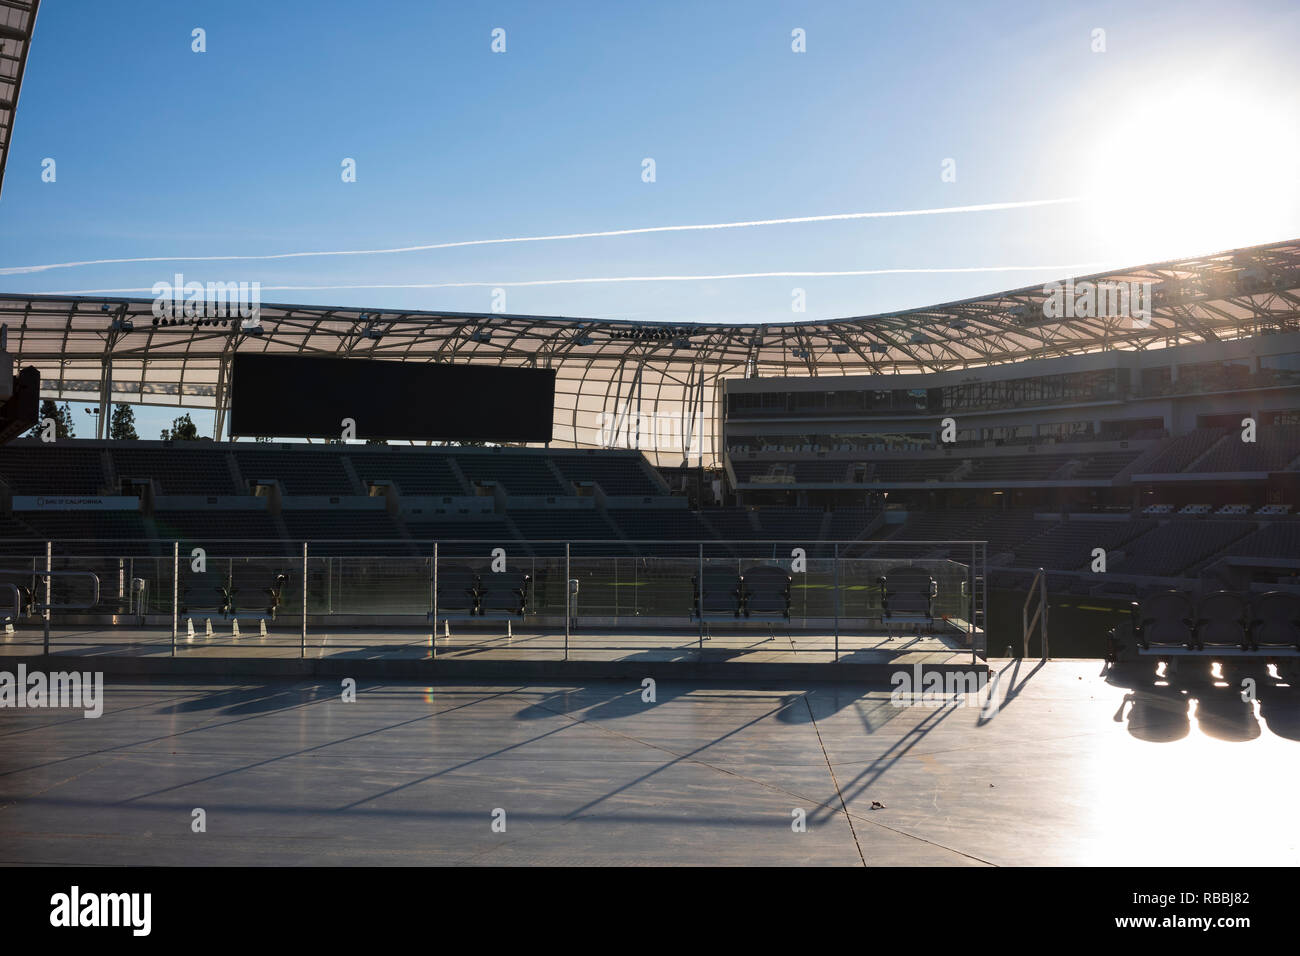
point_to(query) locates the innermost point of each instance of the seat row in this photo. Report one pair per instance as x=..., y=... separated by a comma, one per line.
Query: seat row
x=1223, y=623
x=763, y=591
x=464, y=592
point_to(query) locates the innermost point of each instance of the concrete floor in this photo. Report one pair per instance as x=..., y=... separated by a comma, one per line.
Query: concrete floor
x=754, y=645
x=1073, y=768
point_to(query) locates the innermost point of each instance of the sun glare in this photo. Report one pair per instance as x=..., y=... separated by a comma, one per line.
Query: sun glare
x=1196, y=167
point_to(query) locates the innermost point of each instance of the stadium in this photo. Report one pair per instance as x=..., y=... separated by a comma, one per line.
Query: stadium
x=1038, y=504
x=1118, y=457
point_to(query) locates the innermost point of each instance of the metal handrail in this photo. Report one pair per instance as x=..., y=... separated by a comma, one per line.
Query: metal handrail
x=1040, y=614
x=35, y=573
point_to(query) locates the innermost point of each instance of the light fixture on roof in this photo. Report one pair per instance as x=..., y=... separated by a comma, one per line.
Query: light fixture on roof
x=799, y=353
x=586, y=340
x=840, y=350
x=878, y=349
x=251, y=326
x=122, y=325
x=481, y=335
x=372, y=329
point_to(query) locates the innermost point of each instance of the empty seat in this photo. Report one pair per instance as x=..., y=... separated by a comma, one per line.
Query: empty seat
x=766, y=591
x=206, y=592
x=1164, y=619
x=720, y=596
x=1222, y=620
x=457, y=592
x=907, y=596
x=1275, y=621
x=503, y=593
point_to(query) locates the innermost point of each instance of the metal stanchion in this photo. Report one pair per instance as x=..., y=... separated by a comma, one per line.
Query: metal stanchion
x=303, y=651
x=699, y=597
x=49, y=583
x=176, y=591
x=433, y=630
x=568, y=599
x=836, y=600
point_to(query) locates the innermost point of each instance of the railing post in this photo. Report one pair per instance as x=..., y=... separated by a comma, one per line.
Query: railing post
x=49, y=583
x=699, y=597
x=835, y=599
x=176, y=591
x=568, y=599
x=433, y=630
x=984, y=595
x=303, y=646
x=1042, y=609
x=970, y=607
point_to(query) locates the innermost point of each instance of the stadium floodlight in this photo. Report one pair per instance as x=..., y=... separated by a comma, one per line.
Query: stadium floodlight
x=878, y=349
x=251, y=326
x=681, y=343
x=839, y=350
x=799, y=353
x=585, y=340
x=481, y=335
x=122, y=325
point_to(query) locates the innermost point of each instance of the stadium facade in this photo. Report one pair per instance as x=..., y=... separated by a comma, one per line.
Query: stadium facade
x=654, y=387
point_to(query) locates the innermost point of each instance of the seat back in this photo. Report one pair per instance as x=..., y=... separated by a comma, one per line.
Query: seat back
x=1222, y=620
x=722, y=592
x=1276, y=620
x=907, y=592
x=457, y=590
x=1165, y=617
x=766, y=591
x=208, y=591
x=503, y=592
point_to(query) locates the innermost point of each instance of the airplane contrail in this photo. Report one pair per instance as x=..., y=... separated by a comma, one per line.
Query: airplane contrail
x=944, y=210
x=1073, y=268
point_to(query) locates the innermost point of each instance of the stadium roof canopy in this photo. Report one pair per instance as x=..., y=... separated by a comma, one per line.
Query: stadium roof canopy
x=17, y=19
x=105, y=350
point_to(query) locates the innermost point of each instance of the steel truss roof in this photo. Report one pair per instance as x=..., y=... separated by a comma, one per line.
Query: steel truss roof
x=625, y=369
x=17, y=20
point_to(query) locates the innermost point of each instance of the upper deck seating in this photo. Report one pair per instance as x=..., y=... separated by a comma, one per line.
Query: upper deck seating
x=308, y=471
x=178, y=470
x=518, y=474
x=616, y=475
x=64, y=468
x=414, y=472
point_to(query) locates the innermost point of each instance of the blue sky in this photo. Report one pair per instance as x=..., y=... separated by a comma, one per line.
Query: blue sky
x=1182, y=136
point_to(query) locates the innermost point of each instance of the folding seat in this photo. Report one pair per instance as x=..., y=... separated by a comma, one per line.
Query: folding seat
x=722, y=594
x=1275, y=621
x=209, y=593
x=458, y=592
x=907, y=596
x=1222, y=620
x=766, y=592
x=503, y=593
x=1164, y=619
x=253, y=578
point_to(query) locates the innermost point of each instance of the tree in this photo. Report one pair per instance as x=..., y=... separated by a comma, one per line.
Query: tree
x=122, y=425
x=62, y=420
x=183, y=429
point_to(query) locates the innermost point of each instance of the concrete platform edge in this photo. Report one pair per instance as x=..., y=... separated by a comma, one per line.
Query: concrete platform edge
x=457, y=669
